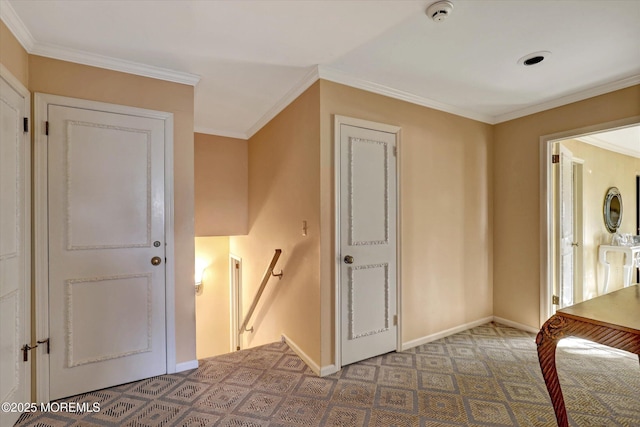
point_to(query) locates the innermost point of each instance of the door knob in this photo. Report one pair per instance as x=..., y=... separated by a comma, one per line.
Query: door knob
x=156, y=260
x=348, y=259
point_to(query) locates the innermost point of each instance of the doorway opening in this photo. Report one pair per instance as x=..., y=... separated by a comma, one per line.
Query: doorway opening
x=573, y=229
x=218, y=297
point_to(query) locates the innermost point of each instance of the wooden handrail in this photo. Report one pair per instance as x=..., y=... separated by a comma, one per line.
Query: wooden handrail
x=267, y=274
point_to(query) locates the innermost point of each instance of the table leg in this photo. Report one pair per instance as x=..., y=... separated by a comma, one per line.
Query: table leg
x=627, y=274
x=547, y=341
x=607, y=267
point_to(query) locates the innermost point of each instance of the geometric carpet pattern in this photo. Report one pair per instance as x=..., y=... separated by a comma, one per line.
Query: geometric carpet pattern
x=485, y=376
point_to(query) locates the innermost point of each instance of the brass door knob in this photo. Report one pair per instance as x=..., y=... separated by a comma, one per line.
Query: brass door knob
x=348, y=259
x=156, y=260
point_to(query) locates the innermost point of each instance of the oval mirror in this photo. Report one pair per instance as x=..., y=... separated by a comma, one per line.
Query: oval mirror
x=612, y=210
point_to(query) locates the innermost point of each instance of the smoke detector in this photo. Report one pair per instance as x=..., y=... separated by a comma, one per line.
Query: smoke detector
x=439, y=11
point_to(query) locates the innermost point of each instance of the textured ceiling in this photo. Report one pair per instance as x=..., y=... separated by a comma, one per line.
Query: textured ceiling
x=254, y=56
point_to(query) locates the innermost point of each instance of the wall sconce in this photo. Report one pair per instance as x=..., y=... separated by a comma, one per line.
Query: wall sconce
x=199, y=280
x=201, y=266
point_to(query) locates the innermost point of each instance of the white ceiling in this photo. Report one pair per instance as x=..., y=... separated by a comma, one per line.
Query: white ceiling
x=254, y=57
x=625, y=140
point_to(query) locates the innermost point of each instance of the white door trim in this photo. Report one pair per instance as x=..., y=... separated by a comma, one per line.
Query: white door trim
x=338, y=121
x=41, y=232
x=26, y=336
x=546, y=204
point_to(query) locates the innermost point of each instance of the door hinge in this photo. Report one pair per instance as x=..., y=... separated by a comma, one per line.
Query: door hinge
x=395, y=320
x=25, y=124
x=46, y=128
x=555, y=158
x=47, y=343
x=25, y=351
x=555, y=300
x=395, y=150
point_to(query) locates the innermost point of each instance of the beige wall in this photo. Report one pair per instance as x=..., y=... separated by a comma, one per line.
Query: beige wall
x=213, y=300
x=79, y=81
x=284, y=162
x=603, y=169
x=455, y=268
x=446, y=197
x=13, y=56
x=221, y=185
x=516, y=182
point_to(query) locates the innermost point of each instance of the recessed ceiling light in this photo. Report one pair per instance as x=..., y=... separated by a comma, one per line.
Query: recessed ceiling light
x=534, y=58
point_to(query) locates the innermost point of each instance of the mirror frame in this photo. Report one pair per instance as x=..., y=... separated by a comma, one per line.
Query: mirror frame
x=611, y=224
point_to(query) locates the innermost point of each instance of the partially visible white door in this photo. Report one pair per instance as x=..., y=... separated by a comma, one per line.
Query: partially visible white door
x=15, y=264
x=566, y=228
x=367, y=242
x=235, y=271
x=106, y=249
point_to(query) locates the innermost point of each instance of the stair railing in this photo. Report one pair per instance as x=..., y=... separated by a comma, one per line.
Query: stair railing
x=267, y=275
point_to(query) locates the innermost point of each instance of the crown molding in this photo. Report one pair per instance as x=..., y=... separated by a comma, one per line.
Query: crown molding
x=24, y=37
x=115, y=64
x=218, y=132
x=600, y=143
x=309, y=78
x=341, y=77
x=20, y=31
x=569, y=99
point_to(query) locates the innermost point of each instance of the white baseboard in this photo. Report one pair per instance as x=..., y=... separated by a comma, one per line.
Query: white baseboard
x=516, y=325
x=185, y=366
x=328, y=370
x=433, y=337
x=332, y=369
x=305, y=358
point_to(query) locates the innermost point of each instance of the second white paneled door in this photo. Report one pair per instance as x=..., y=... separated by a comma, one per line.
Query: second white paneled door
x=106, y=243
x=368, y=247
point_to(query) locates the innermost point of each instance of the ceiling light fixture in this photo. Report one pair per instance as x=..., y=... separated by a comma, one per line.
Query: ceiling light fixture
x=439, y=11
x=534, y=58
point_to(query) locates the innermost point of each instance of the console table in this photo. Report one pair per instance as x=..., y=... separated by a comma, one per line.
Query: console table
x=612, y=319
x=630, y=255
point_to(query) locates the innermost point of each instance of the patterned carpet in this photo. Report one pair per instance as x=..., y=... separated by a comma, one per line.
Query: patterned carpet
x=486, y=376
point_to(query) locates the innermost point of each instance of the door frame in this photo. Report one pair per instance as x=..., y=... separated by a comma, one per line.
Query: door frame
x=41, y=229
x=350, y=121
x=235, y=302
x=546, y=204
x=25, y=238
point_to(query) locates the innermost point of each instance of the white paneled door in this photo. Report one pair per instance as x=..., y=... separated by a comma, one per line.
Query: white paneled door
x=15, y=260
x=566, y=242
x=367, y=242
x=106, y=241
